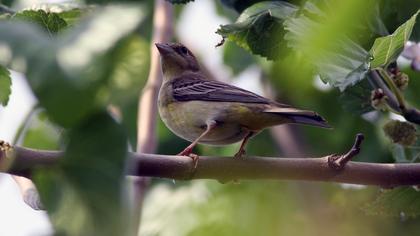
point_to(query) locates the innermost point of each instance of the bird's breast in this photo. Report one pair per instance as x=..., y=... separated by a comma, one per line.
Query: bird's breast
x=188, y=120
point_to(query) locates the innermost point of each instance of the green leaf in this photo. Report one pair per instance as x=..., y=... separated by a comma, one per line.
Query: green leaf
x=321, y=37
x=69, y=73
x=71, y=16
x=356, y=99
x=386, y=49
x=236, y=57
x=5, y=85
x=39, y=132
x=397, y=202
x=259, y=28
x=84, y=193
x=50, y=21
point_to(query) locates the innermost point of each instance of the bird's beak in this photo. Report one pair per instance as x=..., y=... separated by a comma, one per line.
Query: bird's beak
x=163, y=48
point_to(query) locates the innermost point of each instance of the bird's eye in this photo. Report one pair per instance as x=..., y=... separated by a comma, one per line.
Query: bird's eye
x=184, y=50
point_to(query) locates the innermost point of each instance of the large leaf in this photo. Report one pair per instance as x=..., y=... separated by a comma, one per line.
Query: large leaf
x=404, y=201
x=84, y=193
x=259, y=28
x=5, y=85
x=386, y=49
x=322, y=37
x=69, y=73
x=50, y=21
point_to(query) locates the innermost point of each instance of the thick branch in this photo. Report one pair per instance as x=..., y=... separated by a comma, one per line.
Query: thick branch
x=227, y=168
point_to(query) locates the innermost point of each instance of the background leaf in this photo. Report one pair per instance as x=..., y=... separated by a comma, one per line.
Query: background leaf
x=49, y=21
x=259, y=28
x=5, y=85
x=72, y=89
x=356, y=99
x=84, y=194
x=397, y=202
x=316, y=32
x=386, y=49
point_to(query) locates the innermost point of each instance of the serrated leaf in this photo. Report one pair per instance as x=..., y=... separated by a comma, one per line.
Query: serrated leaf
x=5, y=85
x=386, y=49
x=259, y=28
x=50, y=21
x=397, y=202
x=84, y=193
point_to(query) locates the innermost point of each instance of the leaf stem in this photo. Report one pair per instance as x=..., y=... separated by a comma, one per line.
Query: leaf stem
x=394, y=89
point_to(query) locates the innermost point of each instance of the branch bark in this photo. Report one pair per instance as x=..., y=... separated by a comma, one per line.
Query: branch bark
x=22, y=161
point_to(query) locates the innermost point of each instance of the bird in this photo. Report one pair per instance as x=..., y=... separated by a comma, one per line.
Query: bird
x=211, y=112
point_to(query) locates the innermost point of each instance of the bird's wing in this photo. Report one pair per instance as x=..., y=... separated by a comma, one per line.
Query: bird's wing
x=196, y=87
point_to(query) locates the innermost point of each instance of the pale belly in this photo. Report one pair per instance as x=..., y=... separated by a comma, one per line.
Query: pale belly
x=188, y=120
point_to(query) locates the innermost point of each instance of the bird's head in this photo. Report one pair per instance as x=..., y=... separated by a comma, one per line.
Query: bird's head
x=176, y=59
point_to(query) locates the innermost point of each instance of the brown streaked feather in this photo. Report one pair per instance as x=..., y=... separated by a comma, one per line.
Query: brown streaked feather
x=194, y=86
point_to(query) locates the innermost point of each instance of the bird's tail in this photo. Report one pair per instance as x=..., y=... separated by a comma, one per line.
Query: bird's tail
x=301, y=116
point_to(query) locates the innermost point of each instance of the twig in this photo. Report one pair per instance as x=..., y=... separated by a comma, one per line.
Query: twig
x=227, y=168
x=147, y=110
x=394, y=89
x=339, y=161
x=377, y=82
x=409, y=113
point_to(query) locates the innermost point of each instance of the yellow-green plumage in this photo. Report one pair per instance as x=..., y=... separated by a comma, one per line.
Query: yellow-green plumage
x=211, y=112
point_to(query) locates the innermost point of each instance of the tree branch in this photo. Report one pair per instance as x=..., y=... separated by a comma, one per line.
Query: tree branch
x=23, y=161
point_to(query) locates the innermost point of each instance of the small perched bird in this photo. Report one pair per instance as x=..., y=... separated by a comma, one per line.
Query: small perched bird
x=211, y=112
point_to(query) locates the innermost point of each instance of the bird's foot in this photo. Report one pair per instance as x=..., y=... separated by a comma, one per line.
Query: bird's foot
x=194, y=157
x=240, y=154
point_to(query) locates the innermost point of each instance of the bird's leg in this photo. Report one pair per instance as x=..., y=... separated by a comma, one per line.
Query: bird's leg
x=242, y=151
x=188, y=150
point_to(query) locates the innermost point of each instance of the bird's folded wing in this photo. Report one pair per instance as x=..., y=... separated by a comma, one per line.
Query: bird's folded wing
x=196, y=87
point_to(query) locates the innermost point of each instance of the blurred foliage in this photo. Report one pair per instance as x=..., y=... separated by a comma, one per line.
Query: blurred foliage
x=81, y=61
x=50, y=21
x=263, y=208
x=71, y=89
x=5, y=85
x=84, y=194
x=180, y=1
x=73, y=75
x=39, y=132
x=400, y=202
x=357, y=98
x=236, y=57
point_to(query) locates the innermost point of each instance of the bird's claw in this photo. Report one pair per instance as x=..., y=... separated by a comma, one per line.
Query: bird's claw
x=240, y=154
x=194, y=157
